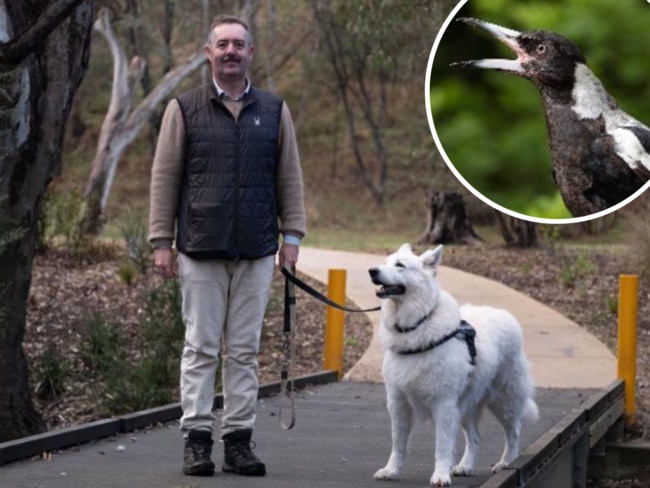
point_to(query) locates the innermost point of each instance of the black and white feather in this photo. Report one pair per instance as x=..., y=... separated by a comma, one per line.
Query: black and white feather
x=600, y=154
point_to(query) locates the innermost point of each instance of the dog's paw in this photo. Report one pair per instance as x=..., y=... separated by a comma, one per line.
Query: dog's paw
x=462, y=470
x=440, y=480
x=386, y=474
x=498, y=467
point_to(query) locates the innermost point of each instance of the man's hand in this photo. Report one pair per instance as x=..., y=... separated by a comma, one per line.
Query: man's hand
x=164, y=262
x=288, y=255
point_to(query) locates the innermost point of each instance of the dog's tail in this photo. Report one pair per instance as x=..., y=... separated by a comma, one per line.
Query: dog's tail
x=531, y=411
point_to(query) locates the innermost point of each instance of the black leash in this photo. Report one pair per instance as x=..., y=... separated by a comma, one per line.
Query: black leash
x=305, y=287
x=286, y=378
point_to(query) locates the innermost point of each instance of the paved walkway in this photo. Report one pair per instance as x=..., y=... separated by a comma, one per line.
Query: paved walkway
x=342, y=436
x=563, y=354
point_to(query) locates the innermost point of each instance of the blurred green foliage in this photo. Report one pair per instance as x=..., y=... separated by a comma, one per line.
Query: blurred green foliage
x=492, y=126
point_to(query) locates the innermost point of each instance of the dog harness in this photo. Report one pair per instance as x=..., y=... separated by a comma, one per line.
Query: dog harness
x=464, y=332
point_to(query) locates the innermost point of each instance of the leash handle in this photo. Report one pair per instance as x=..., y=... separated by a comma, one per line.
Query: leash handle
x=319, y=296
x=286, y=379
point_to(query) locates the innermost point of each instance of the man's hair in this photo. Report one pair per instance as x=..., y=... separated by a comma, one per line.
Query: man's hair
x=229, y=19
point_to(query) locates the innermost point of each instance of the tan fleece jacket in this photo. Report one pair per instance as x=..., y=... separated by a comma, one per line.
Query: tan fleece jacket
x=168, y=167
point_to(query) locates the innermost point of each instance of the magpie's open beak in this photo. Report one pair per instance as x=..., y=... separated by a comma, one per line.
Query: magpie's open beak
x=507, y=36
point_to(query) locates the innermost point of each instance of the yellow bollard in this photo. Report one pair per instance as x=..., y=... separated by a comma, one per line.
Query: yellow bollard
x=627, y=332
x=333, y=355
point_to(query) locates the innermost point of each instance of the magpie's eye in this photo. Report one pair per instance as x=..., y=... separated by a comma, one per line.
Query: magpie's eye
x=541, y=48
x=400, y=265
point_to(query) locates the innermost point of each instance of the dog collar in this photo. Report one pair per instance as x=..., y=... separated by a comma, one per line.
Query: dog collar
x=404, y=330
x=464, y=331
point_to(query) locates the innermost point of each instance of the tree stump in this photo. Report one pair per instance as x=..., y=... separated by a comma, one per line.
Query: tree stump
x=447, y=221
x=517, y=232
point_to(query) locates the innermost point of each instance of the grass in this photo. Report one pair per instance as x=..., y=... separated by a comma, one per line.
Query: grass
x=574, y=269
x=357, y=240
x=611, y=303
x=367, y=232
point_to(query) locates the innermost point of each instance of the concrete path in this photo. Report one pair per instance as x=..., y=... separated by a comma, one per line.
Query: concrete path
x=563, y=354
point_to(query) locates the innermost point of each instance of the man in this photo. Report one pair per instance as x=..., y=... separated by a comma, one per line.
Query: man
x=226, y=170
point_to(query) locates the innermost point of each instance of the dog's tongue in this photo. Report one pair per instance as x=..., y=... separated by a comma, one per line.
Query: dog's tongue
x=389, y=290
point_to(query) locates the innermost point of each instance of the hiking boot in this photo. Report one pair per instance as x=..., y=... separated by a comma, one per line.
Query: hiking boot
x=198, y=450
x=238, y=456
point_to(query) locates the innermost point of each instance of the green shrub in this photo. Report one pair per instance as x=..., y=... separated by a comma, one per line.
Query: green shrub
x=163, y=331
x=611, y=302
x=127, y=273
x=59, y=220
x=151, y=377
x=138, y=250
x=51, y=370
x=574, y=268
x=106, y=352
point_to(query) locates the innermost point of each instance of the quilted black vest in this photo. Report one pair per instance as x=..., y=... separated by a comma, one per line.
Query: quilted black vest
x=227, y=207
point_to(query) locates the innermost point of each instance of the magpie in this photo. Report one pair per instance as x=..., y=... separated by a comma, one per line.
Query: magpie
x=600, y=155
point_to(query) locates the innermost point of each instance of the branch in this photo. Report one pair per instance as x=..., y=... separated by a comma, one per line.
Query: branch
x=286, y=57
x=143, y=111
x=28, y=41
x=121, y=94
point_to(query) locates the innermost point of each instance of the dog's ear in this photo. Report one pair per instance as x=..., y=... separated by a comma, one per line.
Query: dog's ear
x=431, y=259
x=406, y=247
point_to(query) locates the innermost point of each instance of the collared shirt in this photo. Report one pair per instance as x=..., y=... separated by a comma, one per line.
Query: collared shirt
x=223, y=95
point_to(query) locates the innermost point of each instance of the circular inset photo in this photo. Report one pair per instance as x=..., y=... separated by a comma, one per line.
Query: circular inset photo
x=541, y=109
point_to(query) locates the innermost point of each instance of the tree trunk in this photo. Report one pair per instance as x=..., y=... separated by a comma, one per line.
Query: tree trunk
x=44, y=47
x=351, y=74
x=447, y=221
x=121, y=124
x=517, y=232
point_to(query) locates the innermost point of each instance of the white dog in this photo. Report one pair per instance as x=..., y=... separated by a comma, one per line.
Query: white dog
x=444, y=362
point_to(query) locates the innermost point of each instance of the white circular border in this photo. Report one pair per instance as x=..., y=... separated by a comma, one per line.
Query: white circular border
x=466, y=184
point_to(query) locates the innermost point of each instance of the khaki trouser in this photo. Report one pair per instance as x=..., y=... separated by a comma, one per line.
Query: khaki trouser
x=223, y=309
